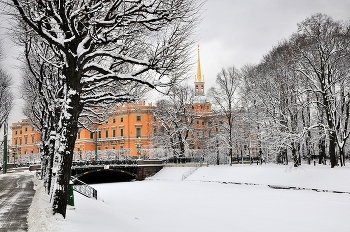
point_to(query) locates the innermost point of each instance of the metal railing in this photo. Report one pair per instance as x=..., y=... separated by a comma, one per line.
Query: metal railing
x=83, y=188
x=192, y=170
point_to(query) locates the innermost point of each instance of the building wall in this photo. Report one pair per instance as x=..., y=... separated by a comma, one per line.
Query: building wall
x=127, y=128
x=127, y=131
x=25, y=142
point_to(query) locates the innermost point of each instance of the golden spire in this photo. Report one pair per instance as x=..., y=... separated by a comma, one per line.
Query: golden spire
x=199, y=77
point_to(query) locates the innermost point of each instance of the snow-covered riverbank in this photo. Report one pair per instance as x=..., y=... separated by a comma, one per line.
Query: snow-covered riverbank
x=211, y=200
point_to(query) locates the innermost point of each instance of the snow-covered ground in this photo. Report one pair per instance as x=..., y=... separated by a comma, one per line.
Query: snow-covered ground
x=210, y=200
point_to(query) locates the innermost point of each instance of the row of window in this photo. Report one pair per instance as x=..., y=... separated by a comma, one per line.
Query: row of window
x=138, y=118
x=19, y=140
x=20, y=131
x=114, y=133
x=113, y=147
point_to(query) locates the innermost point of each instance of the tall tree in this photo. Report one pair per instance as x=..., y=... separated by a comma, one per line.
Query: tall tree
x=6, y=96
x=110, y=45
x=321, y=48
x=225, y=97
x=174, y=119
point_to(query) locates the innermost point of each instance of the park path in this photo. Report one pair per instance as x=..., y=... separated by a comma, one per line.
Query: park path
x=16, y=195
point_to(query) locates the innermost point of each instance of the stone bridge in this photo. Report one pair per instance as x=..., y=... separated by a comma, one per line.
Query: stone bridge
x=115, y=171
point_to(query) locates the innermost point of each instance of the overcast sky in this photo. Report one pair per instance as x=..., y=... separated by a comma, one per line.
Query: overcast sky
x=238, y=32
x=235, y=32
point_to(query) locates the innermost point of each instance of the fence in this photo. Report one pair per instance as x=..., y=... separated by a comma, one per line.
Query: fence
x=83, y=188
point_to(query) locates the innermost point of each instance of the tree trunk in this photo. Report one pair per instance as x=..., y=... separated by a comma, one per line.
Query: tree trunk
x=341, y=155
x=332, y=146
x=286, y=155
x=322, y=150
x=67, y=129
x=62, y=164
x=50, y=157
x=294, y=155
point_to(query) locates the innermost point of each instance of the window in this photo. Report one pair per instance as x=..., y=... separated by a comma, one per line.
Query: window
x=138, y=118
x=99, y=134
x=106, y=133
x=197, y=122
x=20, y=131
x=91, y=135
x=20, y=141
x=16, y=132
x=25, y=140
x=138, y=132
x=113, y=132
x=122, y=132
x=113, y=120
x=25, y=129
x=202, y=123
x=121, y=119
x=15, y=141
x=77, y=135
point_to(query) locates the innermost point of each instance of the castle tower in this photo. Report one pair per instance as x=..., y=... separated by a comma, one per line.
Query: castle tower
x=199, y=79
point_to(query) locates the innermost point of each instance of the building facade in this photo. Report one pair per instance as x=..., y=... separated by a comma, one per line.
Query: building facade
x=126, y=132
x=24, y=143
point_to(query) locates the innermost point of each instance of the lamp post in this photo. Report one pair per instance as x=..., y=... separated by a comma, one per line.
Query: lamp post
x=217, y=152
x=4, y=164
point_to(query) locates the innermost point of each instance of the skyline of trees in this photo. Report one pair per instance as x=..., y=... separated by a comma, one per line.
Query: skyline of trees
x=302, y=88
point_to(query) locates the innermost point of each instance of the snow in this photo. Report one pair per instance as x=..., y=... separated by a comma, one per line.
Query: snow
x=210, y=199
x=40, y=218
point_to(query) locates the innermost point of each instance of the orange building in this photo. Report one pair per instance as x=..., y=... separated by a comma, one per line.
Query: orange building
x=127, y=133
x=25, y=142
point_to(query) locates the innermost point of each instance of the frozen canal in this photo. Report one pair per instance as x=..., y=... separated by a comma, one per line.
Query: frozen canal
x=203, y=202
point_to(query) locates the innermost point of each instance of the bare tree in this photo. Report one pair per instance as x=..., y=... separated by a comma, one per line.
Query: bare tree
x=174, y=119
x=225, y=97
x=40, y=88
x=275, y=103
x=6, y=96
x=106, y=45
x=321, y=50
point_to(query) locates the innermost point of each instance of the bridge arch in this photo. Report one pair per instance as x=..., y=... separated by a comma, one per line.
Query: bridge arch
x=105, y=176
